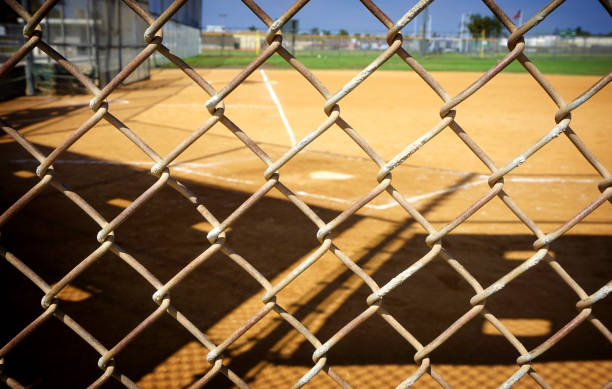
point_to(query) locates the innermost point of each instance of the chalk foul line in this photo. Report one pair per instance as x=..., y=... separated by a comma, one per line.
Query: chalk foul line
x=278, y=106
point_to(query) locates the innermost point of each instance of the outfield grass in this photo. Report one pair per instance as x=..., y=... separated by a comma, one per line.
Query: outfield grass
x=547, y=63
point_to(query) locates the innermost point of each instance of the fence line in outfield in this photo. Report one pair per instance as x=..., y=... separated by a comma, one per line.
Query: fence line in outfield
x=308, y=44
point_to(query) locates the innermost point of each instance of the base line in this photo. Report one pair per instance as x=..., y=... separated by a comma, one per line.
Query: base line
x=188, y=168
x=278, y=105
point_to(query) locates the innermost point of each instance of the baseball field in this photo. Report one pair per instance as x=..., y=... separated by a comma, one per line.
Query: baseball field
x=277, y=108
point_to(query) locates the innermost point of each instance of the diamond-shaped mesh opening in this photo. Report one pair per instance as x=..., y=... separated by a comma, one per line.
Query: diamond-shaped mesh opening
x=102, y=312
x=143, y=366
x=164, y=238
x=217, y=301
x=556, y=172
x=402, y=124
x=413, y=300
x=397, y=351
x=551, y=306
x=519, y=122
x=499, y=355
x=315, y=301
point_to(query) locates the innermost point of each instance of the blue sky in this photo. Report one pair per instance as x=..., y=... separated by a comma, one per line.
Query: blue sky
x=446, y=14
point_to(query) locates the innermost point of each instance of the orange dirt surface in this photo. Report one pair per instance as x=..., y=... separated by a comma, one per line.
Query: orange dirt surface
x=390, y=110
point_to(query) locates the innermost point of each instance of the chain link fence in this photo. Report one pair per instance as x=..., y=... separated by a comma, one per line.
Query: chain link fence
x=219, y=43
x=375, y=303
x=97, y=37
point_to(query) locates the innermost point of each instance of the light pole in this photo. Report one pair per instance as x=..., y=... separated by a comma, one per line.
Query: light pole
x=424, y=32
x=222, y=16
x=461, y=25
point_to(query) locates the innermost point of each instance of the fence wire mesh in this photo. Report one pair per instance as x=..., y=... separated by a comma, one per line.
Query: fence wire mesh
x=374, y=304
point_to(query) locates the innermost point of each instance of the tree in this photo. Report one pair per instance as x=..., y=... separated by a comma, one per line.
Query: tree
x=326, y=32
x=252, y=28
x=314, y=31
x=491, y=26
x=581, y=32
x=343, y=32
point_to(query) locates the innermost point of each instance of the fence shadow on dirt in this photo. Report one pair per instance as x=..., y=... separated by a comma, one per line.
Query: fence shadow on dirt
x=28, y=116
x=51, y=235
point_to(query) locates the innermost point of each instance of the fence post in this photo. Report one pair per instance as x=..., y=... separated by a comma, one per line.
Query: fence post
x=482, y=42
x=256, y=42
x=29, y=65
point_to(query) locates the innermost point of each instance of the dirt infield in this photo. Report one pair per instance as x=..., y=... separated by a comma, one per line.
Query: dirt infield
x=276, y=108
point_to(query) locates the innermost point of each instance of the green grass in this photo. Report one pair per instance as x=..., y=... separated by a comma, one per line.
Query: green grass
x=547, y=63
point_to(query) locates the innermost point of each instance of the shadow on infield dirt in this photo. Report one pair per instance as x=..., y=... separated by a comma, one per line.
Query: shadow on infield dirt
x=52, y=235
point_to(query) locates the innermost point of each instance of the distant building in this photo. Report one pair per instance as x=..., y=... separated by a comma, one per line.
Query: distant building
x=213, y=28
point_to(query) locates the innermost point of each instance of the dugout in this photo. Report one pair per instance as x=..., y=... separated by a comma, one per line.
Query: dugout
x=100, y=37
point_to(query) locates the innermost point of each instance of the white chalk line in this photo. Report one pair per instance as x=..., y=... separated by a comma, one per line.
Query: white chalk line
x=221, y=178
x=189, y=105
x=228, y=106
x=530, y=180
x=86, y=102
x=279, y=107
x=185, y=167
x=132, y=163
x=180, y=167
